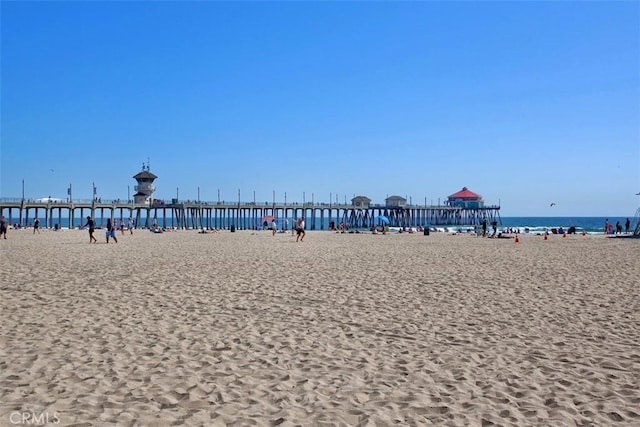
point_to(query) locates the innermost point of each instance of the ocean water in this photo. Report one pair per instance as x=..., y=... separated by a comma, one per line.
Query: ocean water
x=592, y=225
x=541, y=224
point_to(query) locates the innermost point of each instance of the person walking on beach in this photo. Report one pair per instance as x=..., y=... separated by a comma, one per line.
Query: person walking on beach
x=274, y=227
x=92, y=227
x=626, y=226
x=130, y=226
x=300, y=230
x=111, y=231
x=3, y=227
x=36, y=226
x=484, y=227
x=122, y=226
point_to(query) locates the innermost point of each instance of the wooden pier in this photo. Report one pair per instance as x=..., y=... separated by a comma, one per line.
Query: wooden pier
x=242, y=216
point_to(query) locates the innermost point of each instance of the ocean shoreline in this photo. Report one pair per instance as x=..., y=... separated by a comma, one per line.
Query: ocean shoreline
x=534, y=225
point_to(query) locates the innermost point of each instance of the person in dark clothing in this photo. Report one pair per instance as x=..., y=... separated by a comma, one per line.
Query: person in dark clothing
x=300, y=230
x=3, y=227
x=92, y=227
x=627, y=224
x=111, y=230
x=484, y=227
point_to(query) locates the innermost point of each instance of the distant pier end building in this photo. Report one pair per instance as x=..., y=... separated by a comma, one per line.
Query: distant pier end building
x=145, y=187
x=466, y=199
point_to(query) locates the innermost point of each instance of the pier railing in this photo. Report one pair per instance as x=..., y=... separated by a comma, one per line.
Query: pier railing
x=6, y=202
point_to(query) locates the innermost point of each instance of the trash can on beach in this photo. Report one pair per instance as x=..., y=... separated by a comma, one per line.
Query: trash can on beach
x=232, y=228
x=426, y=231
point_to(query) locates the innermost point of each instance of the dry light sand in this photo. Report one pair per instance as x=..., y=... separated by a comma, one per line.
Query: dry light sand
x=247, y=328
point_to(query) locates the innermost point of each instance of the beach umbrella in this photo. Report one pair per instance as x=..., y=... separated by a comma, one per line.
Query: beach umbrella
x=268, y=219
x=383, y=219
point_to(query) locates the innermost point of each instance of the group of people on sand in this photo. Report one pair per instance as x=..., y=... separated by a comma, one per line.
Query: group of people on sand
x=111, y=229
x=4, y=226
x=609, y=228
x=90, y=224
x=297, y=229
x=494, y=227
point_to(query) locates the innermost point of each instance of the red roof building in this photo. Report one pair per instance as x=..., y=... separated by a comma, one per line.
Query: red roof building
x=466, y=198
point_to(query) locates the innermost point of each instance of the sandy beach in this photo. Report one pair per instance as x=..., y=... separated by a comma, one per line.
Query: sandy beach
x=247, y=328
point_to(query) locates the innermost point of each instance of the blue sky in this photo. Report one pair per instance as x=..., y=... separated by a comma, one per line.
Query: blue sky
x=525, y=103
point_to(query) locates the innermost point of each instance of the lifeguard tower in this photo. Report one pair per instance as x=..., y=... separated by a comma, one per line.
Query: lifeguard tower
x=145, y=187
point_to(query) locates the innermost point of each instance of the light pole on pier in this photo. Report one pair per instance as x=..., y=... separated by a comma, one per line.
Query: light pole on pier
x=254, y=197
x=177, y=194
x=23, y=189
x=285, y=198
x=128, y=195
x=303, y=199
x=95, y=191
x=198, y=194
x=69, y=193
x=218, y=196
